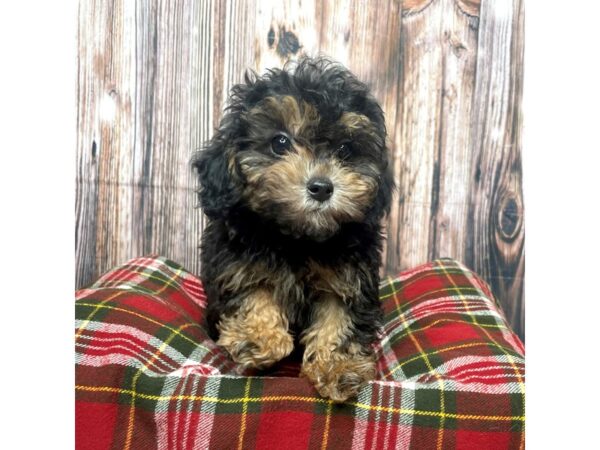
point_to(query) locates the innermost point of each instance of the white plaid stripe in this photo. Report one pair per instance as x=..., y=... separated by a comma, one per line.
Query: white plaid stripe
x=112, y=278
x=451, y=304
x=183, y=419
x=207, y=409
x=390, y=417
x=130, y=276
x=361, y=418
x=198, y=436
x=121, y=332
x=407, y=402
x=161, y=413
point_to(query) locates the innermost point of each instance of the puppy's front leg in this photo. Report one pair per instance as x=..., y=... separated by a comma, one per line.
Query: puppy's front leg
x=256, y=335
x=333, y=360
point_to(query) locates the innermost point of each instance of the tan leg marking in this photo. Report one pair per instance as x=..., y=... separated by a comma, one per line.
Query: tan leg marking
x=337, y=371
x=256, y=335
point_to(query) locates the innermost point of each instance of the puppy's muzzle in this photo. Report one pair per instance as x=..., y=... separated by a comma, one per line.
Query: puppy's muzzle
x=320, y=188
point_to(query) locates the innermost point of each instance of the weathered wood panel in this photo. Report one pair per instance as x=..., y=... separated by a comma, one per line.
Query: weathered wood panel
x=144, y=76
x=154, y=77
x=438, y=60
x=495, y=248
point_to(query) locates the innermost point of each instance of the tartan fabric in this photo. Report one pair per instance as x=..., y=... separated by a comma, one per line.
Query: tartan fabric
x=451, y=372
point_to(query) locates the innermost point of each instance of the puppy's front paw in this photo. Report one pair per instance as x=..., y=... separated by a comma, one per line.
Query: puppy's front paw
x=256, y=334
x=338, y=375
x=255, y=349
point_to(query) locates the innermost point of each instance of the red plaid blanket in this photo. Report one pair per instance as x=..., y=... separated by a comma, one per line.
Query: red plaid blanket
x=451, y=372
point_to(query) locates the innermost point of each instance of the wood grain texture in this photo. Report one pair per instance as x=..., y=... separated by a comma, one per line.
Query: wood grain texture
x=496, y=227
x=433, y=157
x=154, y=77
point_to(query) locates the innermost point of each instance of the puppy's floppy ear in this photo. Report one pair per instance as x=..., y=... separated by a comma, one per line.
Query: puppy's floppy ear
x=219, y=185
x=383, y=199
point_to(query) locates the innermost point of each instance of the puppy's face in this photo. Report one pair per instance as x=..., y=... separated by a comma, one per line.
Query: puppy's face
x=308, y=151
x=304, y=172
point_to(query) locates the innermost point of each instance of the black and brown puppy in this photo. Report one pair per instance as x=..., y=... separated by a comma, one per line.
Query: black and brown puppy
x=295, y=183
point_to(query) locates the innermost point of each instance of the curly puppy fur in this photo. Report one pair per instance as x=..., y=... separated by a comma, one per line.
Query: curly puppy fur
x=286, y=260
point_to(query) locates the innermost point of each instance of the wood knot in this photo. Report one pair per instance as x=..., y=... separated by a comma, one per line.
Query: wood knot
x=509, y=217
x=271, y=37
x=410, y=7
x=287, y=42
x=456, y=45
x=469, y=7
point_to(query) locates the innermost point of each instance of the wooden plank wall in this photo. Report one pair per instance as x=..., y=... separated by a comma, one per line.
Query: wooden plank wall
x=154, y=76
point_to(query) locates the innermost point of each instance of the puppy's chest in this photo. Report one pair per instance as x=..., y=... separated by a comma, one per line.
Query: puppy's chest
x=341, y=280
x=294, y=284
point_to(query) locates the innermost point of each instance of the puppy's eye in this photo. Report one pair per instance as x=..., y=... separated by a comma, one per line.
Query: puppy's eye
x=344, y=150
x=280, y=144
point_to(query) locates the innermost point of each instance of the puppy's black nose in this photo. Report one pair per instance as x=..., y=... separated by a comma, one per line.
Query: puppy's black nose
x=320, y=188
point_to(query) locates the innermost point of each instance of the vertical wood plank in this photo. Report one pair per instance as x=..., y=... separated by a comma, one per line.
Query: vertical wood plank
x=107, y=68
x=143, y=82
x=438, y=45
x=146, y=42
x=87, y=149
x=171, y=209
x=452, y=166
x=496, y=200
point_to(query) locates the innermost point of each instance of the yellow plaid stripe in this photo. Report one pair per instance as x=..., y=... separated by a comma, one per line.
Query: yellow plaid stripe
x=134, y=382
x=97, y=307
x=463, y=300
x=432, y=371
x=167, y=281
x=442, y=350
x=493, y=341
x=424, y=273
x=244, y=413
x=399, y=337
x=141, y=316
x=284, y=398
x=327, y=425
x=414, y=279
